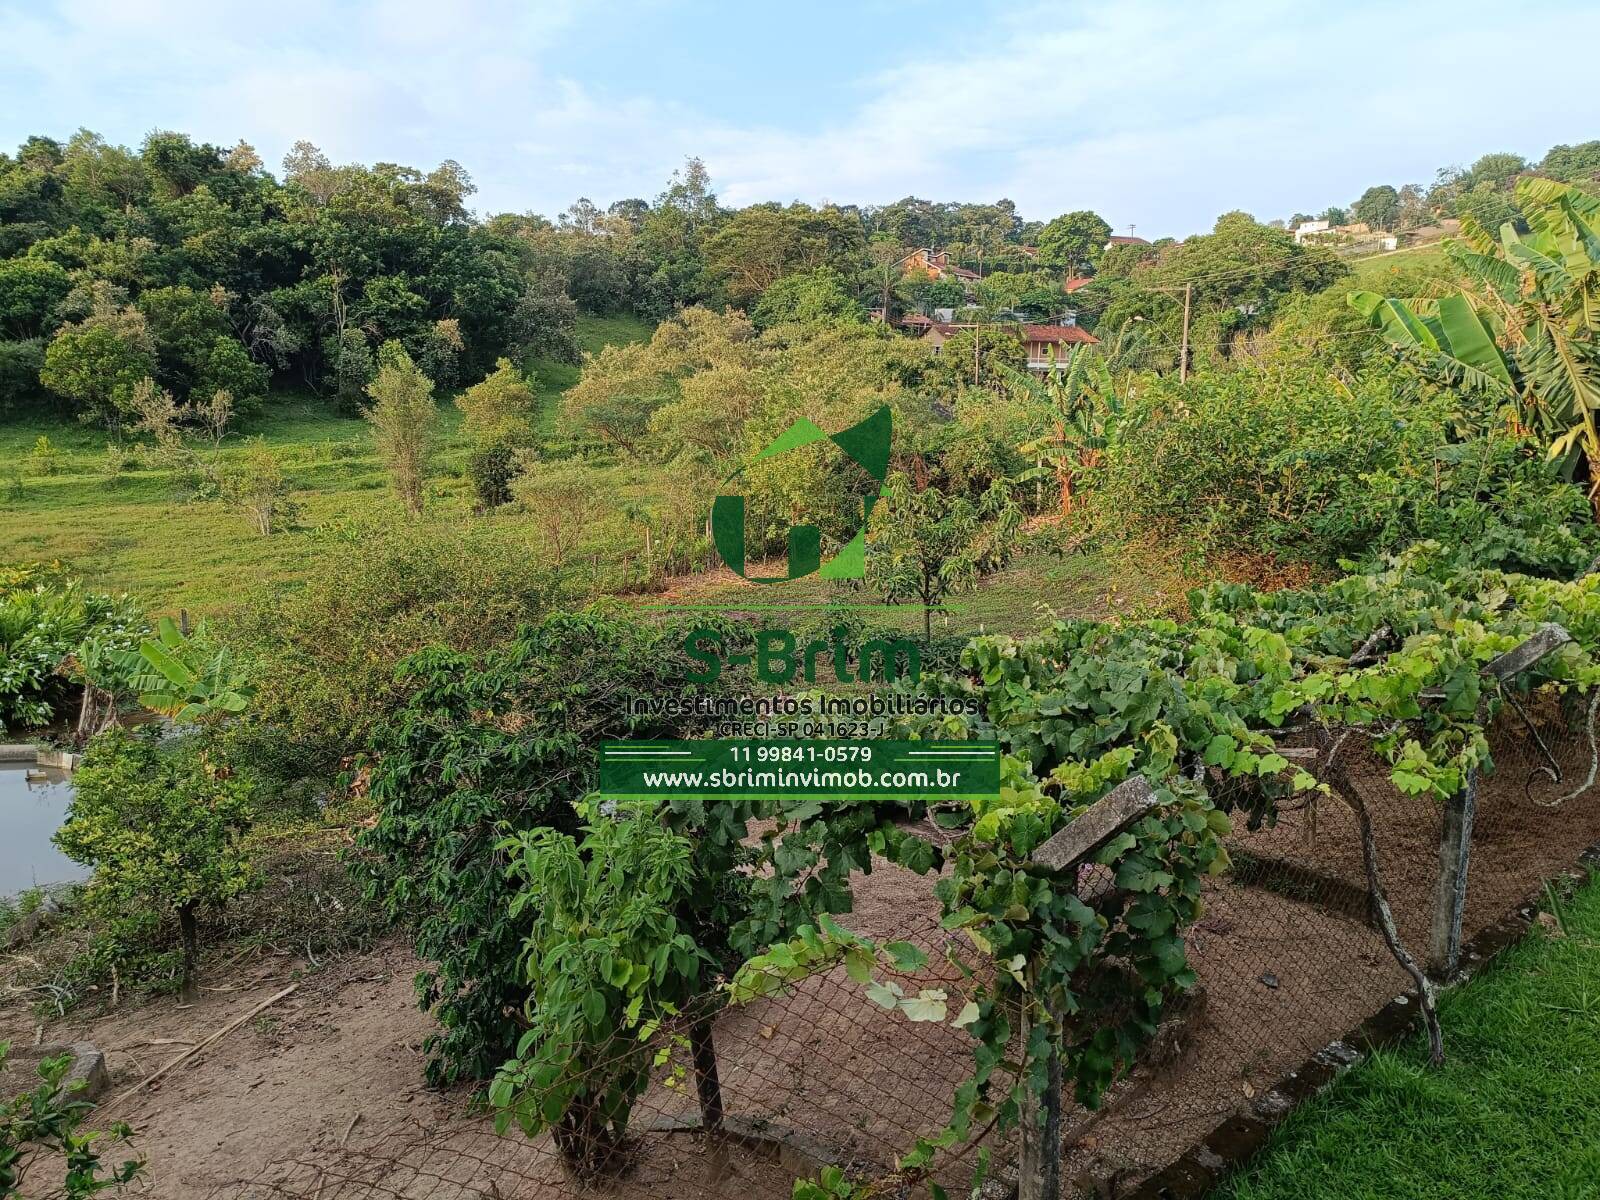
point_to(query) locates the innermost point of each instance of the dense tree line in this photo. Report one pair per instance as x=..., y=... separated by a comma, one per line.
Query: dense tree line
x=1483, y=191
x=194, y=267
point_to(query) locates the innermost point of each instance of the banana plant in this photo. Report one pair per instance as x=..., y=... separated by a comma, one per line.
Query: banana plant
x=1080, y=407
x=1526, y=324
x=181, y=677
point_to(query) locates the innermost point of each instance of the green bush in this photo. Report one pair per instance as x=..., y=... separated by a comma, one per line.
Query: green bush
x=1297, y=464
x=609, y=957
x=161, y=826
x=45, y=1122
x=325, y=653
x=499, y=743
x=493, y=468
x=42, y=624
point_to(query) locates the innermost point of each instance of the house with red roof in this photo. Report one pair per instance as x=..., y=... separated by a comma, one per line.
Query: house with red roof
x=936, y=264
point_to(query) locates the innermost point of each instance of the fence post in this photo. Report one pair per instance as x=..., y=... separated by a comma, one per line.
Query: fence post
x=1039, y=1166
x=1450, y=896
x=1455, y=838
x=703, y=1051
x=1039, y=1171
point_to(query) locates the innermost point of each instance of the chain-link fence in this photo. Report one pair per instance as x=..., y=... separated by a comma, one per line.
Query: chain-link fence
x=1291, y=956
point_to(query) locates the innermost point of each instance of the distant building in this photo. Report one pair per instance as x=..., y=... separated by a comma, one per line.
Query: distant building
x=936, y=264
x=1310, y=229
x=1046, y=345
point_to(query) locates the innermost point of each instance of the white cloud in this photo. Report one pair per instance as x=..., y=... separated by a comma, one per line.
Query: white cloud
x=1161, y=114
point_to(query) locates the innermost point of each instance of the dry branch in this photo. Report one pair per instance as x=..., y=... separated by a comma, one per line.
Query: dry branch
x=190, y=1053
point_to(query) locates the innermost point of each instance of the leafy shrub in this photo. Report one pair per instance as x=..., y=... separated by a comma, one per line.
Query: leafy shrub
x=404, y=420
x=607, y=959
x=160, y=825
x=45, y=457
x=324, y=654
x=40, y=627
x=254, y=482
x=500, y=742
x=46, y=1122
x=498, y=410
x=99, y=361
x=493, y=468
x=1296, y=464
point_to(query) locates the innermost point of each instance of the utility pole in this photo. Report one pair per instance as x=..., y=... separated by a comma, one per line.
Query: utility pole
x=977, y=326
x=1183, y=358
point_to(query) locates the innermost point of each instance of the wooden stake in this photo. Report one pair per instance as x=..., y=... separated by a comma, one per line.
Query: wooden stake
x=1039, y=1168
x=1450, y=897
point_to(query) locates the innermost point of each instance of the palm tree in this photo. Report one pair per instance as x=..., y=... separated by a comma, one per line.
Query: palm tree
x=1526, y=324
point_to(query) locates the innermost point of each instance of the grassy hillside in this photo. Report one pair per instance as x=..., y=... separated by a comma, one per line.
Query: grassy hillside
x=136, y=529
x=140, y=530
x=1371, y=272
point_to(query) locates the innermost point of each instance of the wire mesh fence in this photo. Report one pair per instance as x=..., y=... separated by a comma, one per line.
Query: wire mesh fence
x=1289, y=958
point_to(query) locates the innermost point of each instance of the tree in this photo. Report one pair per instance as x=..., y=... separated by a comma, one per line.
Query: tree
x=312, y=170
x=809, y=297
x=31, y=290
x=1074, y=240
x=1488, y=206
x=1411, y=207
x=184, y=324
x=1497, y=170
x=404, y=420
x=1072, y=416
x=544, y=324
x=926, y=543
x=1334, y=215
x=977, y=355
x=622, y=387
x=1379, y=207
x=761, y=244
x=1572, y=164
x=20, y=364
x=98, y=361
x=227, y=366
x=499, y=409
x=254, y=482
x=1523, y=328
x=563, y=504
x=160, y=825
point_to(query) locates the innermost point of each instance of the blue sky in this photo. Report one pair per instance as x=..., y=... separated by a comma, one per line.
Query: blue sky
x=1158, y=115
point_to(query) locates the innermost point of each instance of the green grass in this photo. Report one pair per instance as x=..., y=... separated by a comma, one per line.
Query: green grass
x=554, y=378
x=1514, y=1112
x=1371, y=272
x=137, y=531
x=1019, y=600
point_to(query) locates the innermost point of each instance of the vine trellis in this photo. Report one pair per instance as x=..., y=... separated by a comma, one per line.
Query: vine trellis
x=1130, y=749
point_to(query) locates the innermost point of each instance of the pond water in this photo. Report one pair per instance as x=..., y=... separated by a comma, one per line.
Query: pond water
x=30, y=812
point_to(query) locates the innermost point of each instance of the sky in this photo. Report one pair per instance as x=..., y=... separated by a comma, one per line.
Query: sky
x=1157, y=115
